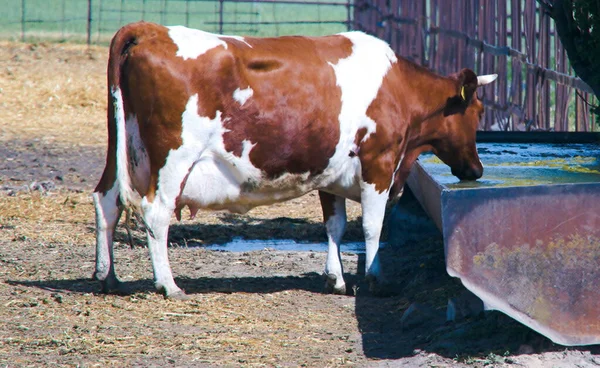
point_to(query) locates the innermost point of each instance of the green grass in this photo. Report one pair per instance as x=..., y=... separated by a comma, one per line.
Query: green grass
x=66, y=20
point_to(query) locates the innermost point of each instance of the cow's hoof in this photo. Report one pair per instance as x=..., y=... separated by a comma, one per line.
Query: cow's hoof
x=178, y=295
x=111, y=285
x=331, y=287
x=380, y=287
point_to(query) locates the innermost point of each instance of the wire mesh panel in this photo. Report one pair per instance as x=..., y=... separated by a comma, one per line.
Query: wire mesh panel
x=95, y=21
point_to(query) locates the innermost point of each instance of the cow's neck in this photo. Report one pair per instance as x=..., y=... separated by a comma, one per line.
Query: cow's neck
x=424, y=107
x=430, y=92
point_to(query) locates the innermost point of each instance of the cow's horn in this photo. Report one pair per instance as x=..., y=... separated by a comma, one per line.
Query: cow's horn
x=482, y=80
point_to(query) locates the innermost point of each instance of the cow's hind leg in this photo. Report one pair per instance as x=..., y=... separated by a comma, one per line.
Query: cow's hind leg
x=334, y=216
x=373, y=205
x=157, y=216
x=107, y=216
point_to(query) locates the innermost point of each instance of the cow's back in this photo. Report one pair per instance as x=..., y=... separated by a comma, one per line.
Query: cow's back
x=257, y=120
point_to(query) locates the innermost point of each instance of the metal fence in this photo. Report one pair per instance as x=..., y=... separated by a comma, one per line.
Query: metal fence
x=95, y=21
x=535, y=90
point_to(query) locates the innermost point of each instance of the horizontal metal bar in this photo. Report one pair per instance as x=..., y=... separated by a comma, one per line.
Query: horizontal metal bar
x=69, y=20
x=560, y=78
x=298, y=2
x=283, y=22
x=537, y=137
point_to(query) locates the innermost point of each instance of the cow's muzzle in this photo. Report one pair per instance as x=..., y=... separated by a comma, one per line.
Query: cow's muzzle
x=469, y=173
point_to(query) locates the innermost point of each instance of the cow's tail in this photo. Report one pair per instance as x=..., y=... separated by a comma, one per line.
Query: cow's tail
x=122, y=42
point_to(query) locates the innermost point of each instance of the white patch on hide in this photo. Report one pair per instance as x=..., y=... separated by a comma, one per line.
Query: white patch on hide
x=216, y=178
x=192, y=43
x=242, y=95
x=359, y=77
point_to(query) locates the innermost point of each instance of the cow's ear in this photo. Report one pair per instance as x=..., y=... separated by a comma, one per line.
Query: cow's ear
x=466, y=82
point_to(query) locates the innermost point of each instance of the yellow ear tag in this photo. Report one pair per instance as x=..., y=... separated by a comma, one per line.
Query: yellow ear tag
x=462, y=93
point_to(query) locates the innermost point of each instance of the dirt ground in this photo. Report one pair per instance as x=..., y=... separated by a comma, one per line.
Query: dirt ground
x=259, y=308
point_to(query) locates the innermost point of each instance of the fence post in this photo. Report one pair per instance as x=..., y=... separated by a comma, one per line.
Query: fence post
x=187, y=13
x=348, y=16
x=220, y=16
x=89, y=23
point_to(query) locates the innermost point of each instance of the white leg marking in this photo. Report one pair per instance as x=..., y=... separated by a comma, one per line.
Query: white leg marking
x=336, y=226
x=157, y=216
x=107, y=216
x=373, y=211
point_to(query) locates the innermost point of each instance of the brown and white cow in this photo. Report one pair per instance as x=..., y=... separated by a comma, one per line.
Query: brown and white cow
x=230, y=123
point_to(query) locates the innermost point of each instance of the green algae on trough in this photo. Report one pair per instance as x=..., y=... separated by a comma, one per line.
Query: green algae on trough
x=521, y=164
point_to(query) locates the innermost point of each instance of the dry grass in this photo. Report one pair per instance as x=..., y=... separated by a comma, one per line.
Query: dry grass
x=54, y=93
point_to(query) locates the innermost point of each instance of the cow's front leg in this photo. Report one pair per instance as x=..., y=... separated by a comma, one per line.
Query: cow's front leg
x=373, y=205
x=334, y=216
x=107, y=216
x=157, y=217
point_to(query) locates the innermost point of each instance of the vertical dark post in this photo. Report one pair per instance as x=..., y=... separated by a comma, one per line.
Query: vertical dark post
x=543, y=59
x=220, y=16
x=22, y=20
x=515, y=19
x=581, y=112
x=422, y=31
x=89, y=23
x=501, y=41
x=532, y=79
x=433, y=37
x=480, y=35
x=489, y=59
x=460, y=45
x=561, y=121
x=391, y=26
x=348, y=16
x=372, y=20
x=187, y=13
x=444, y=40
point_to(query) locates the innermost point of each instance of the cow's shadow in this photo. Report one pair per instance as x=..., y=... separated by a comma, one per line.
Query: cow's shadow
x=420, y=283
x=229, y=228
x=417, y=277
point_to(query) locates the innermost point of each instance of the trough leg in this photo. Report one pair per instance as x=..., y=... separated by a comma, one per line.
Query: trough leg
x=107, y=216
x=334, y=216
x=157, y=216
x=373, y=206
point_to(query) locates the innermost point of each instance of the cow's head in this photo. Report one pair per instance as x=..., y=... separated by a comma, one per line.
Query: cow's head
x=454, y=141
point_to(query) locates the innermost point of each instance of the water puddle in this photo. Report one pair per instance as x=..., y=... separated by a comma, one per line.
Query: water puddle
x=244, y=245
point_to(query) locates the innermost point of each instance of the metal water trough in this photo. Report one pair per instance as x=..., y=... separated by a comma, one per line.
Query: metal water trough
x=525, y=238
